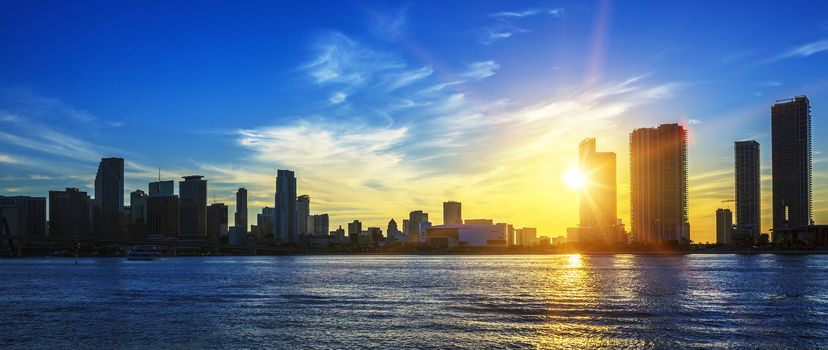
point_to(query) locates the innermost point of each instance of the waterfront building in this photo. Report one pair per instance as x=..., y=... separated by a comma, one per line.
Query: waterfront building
x=162, y=188
x=217, y=225
x=467, y=236
x=510, y=240
x=69, y=213
x=748, y=190
x=284, y=223
x=791, y=166
x=526, y=237
x=137, y=220
x=375, y=233
x=452, y=213
x=405, y=226
x=724, y=226
x=658, y=162
x=488, y=222
x=240, y=218
x=302, y=214
x=415, y=220
x=319, y=224
x=598, y=195
x=22, y=215
x=264, y=221
x=354, y=229
x=163, y=216
x=109, y=198
x=193, y=211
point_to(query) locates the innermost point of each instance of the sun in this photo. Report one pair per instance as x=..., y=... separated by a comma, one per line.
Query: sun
x=573, y=178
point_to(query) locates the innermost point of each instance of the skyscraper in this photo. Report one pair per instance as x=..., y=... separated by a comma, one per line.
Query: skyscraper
x=22, y=215
x=415, y=220
x=658, y=162
x=354, y=229
x=163, y=216
x=241, y=210
x=216, y=222
x=162, y=188
x=284, y=224
x=724, y=226
x=452, y=213
x=138, y=204
x=193, y=212
x=748, y=191
x=791, y=163
x=302, y=214
x=598, y=196
x=68, y=213
x=109, y=198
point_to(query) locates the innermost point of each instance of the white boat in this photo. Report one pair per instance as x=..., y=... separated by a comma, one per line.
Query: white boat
x=143, y=252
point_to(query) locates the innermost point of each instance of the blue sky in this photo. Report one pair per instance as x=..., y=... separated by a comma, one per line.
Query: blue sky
x=386, y=107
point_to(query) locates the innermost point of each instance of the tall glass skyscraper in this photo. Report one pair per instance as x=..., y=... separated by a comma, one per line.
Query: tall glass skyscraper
x=193, y=212
x=109, y=198
x=748, y=189
x=241, y=210
x=791, y=163
x=598, y=200
x=284, y=223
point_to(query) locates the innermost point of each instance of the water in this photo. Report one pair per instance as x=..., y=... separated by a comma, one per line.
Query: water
x=552, y=301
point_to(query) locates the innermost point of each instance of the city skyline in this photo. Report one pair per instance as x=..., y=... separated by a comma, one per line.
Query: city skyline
x=380, y=116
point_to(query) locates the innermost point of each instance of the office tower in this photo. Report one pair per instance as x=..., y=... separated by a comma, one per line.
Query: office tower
x=405, y=226
x=68, y=213
x=354, y=229
x=302, y=213
x=163, y=217
x=265, y=222
x=241, y=210
x=392, y=228
x=526, y=236
x=22, y=215
x=748, y=191
x=375, y=233
x=109, y=198
x=724, y=226
x=452, y=213
x=598, y=195
x=510, y=239
x=138, y=206
x=791, y=163
x=415, y=220
x=193, y=212
x=217, y=222
x=284, y=224
x=318, y=224
x=162, y=188
x=658, y=162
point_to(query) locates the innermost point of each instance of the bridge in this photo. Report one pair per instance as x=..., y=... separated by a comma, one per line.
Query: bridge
x=10, y=243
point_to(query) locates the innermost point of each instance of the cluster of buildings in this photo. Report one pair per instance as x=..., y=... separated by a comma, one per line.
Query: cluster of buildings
x=658, y=202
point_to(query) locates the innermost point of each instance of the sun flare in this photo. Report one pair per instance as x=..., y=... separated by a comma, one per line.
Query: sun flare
x=573, y=178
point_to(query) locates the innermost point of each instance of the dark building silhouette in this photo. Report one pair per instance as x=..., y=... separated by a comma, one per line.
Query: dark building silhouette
x=109, y=198
x=724, y=226
x=658, y=162
x=452, y=213
x=791, y=164
x=598, y=196
x=392, y=228
x=302, y=214
x=241, y=210
x=320, y=225
x=22, y=215
x=162, y=188
x=285, y=221
x=68, y=213
x=137, y=223
x=216, y=222
x=354, y=229
x=748, y=191
x=415, y=220
x=163, y=217
x=193, y=211
x=264, y=222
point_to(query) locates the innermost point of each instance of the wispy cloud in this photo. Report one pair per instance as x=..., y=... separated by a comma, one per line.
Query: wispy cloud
x=402, y=79
x=556, y=12
x=342, y=60
x=505, y=23
x=800, y=51
x=481, y=70
x=4, y=158
x=770, y=83
x=389, y=25
x=338, y=97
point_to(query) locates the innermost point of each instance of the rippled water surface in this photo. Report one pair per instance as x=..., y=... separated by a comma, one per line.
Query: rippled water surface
x=552, y=301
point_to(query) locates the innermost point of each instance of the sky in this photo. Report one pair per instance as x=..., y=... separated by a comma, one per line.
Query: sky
x=386, y=107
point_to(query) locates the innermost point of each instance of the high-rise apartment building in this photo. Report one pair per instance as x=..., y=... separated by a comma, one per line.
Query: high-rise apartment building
x=452, y=213
x=748, y=189
x=22, y=215
x=162, y=188
x=658, y=171
x=724, y=226
x=241, y=211
x=69, y=213
x=302, y=214
x=284, y=224
x=109, y=198
x=791, y=164
x=598, y=195
x=217, y=225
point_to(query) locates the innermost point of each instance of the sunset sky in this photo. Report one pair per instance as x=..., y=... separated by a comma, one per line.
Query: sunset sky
x=383, y=108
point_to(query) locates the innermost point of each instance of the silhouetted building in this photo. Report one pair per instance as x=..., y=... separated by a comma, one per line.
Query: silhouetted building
x=109, y=198
x=136, y=224
x=510, y=239
x=375, y=233
x=488, y=222
x=162, y=188
x=467, y=236
x=193, y=212
x=217, y=224
x=68, y=213
x=527, y=236
x=392, y=228
x=354, y=229
x=415, y=220
x=658, y=162
x=319, y=224
x=748, y=189
x=241, y=210
x=598, y=195
x=791, y=164
x=265, y=222
x=452, y=213
x=302, y=214
x=163, y=216
x=22, y=215
x=405, y=226
x=724, y=226
x=285, y=221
